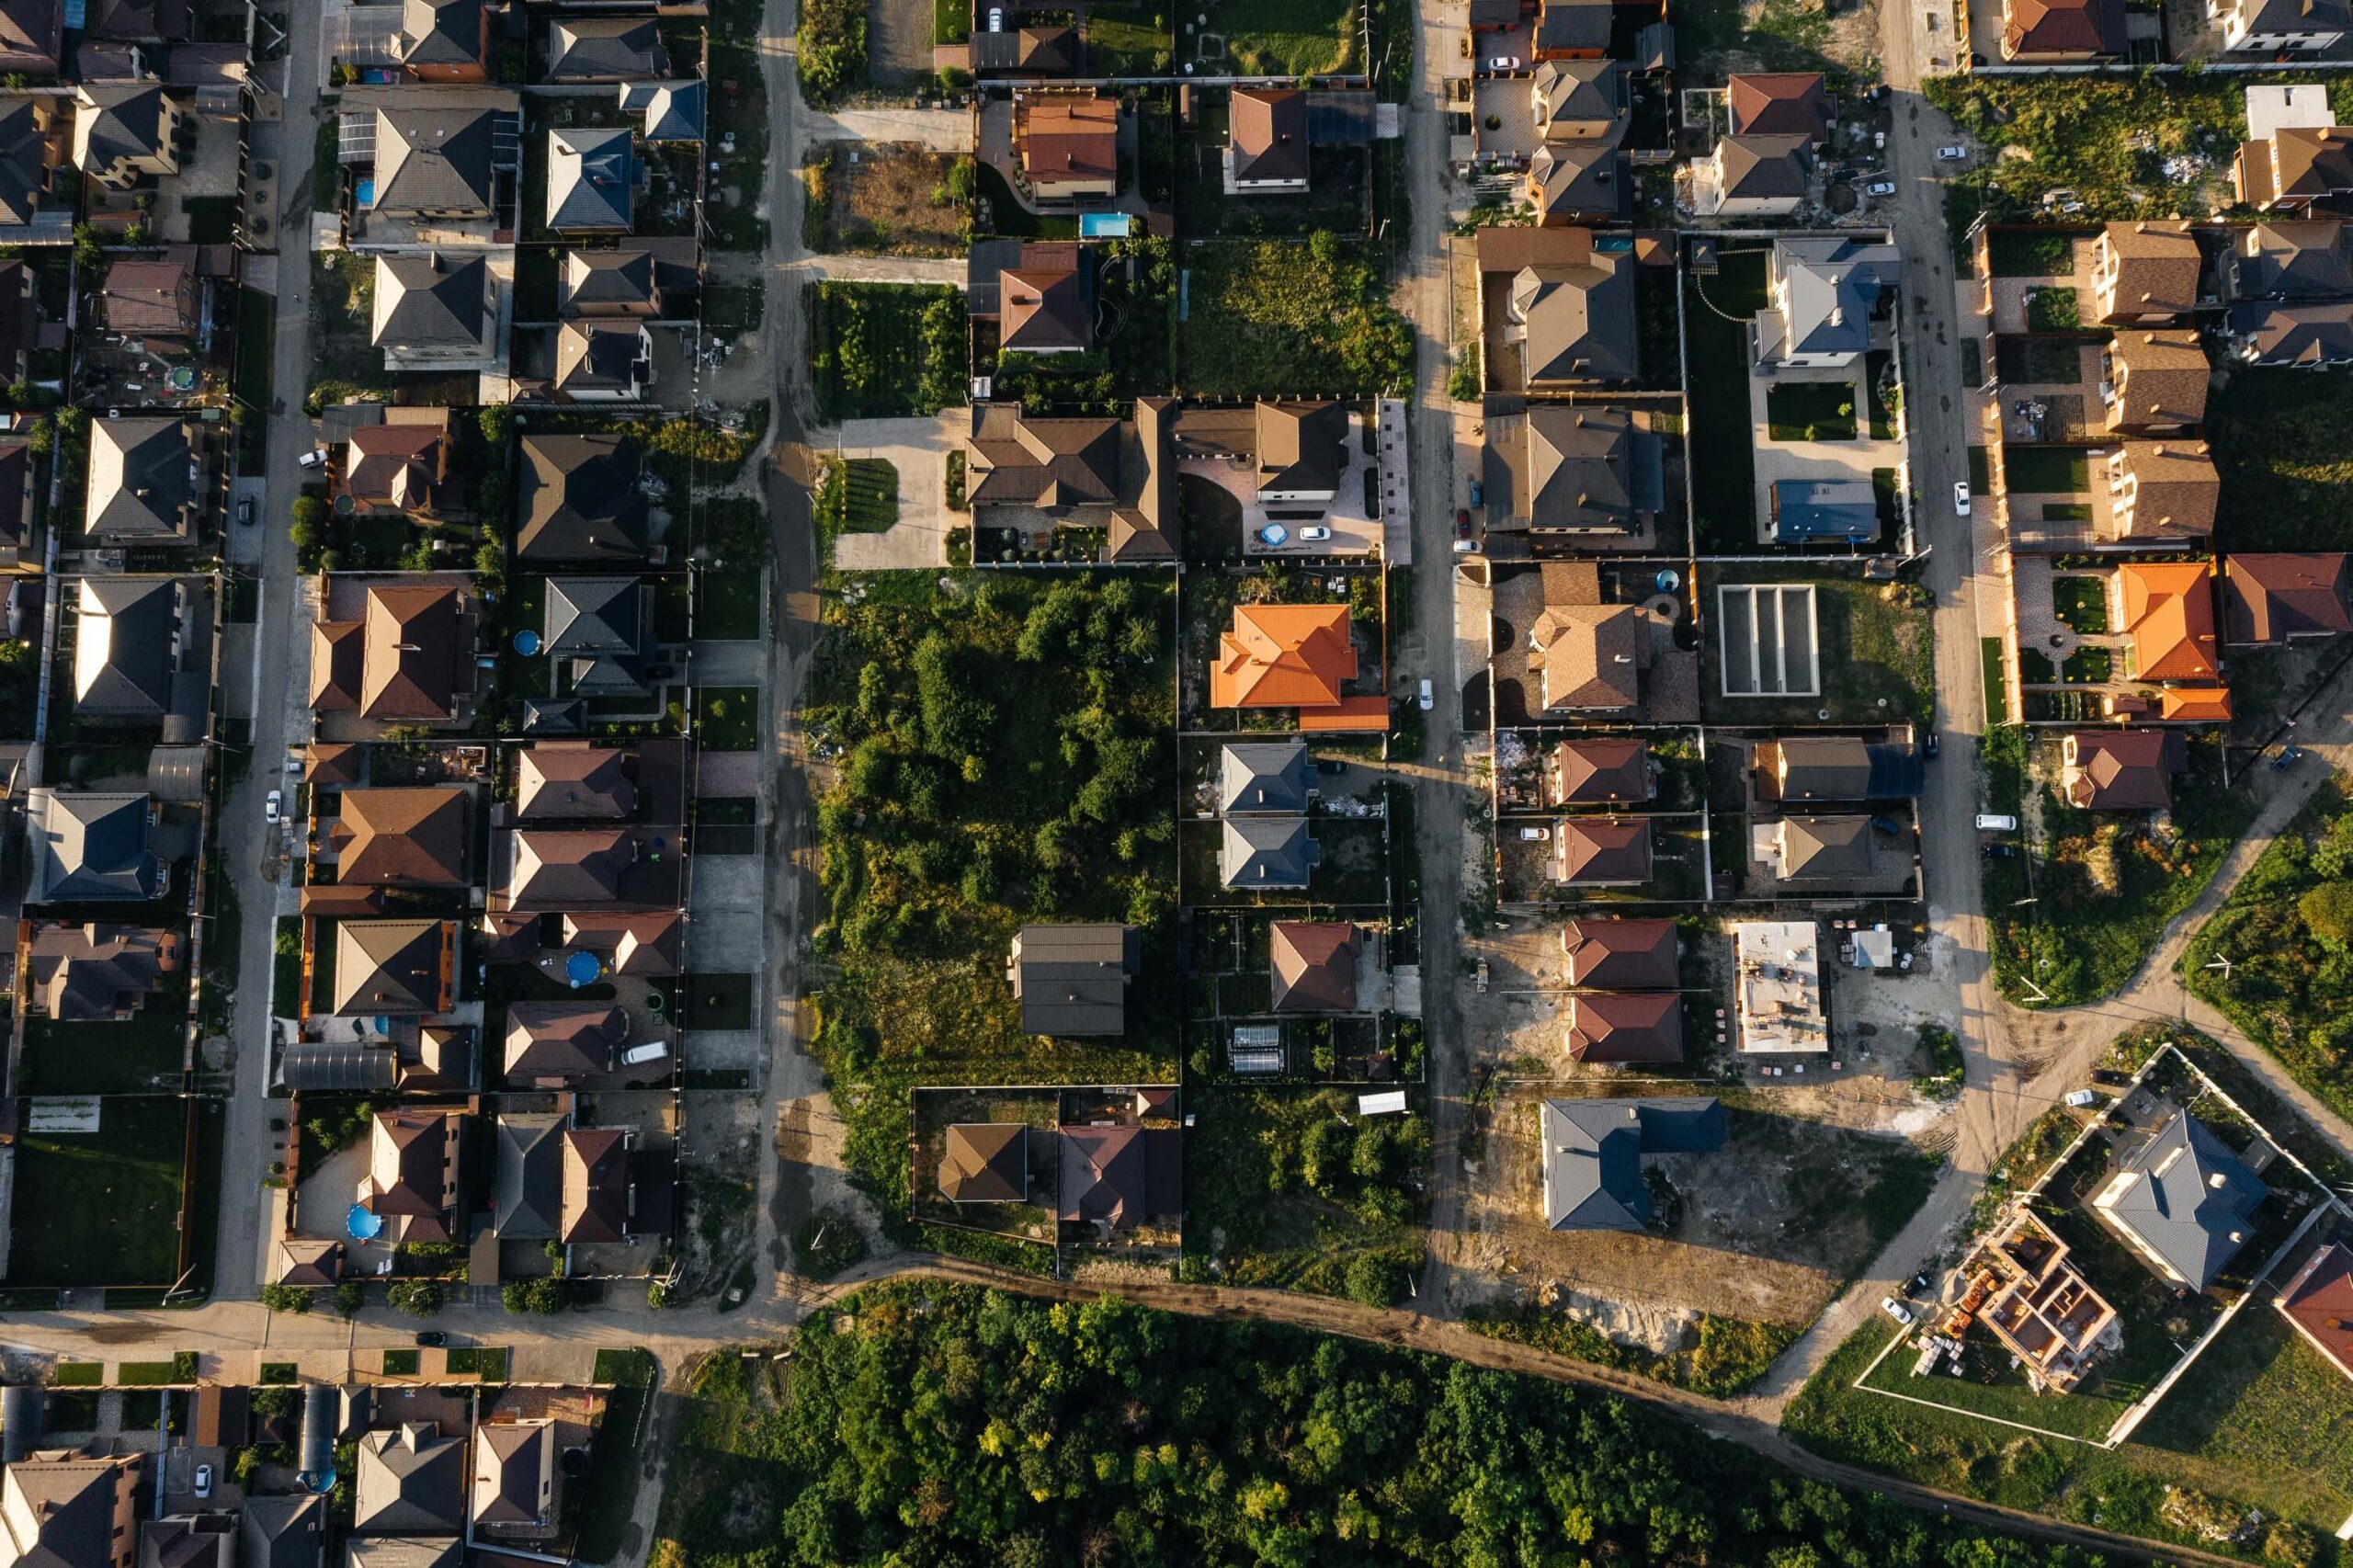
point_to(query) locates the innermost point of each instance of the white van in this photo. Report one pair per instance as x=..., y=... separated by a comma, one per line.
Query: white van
x=1991, y=822
x=639, y=1055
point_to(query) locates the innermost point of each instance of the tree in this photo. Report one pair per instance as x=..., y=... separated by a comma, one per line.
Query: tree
x=417, y=1297
x=349, y=1299
x=546, y=1295
x=2328, y=913
x=291, y=1299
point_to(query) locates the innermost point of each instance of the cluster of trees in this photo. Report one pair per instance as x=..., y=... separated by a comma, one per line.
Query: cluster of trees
x=954, y=1426
x=885, y=348
x=831, y=50
x=1311, y=321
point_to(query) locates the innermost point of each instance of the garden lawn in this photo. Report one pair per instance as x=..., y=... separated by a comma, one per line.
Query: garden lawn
x=1810, y=411
x=1716, y=378
x=2031, y=253
x=1128, y=40
x=727, y=717
x=1274, y=319
x=860, y=497
x=2080, y=602
x=103, y=1208
x=1287, y=38
x=2045, y=470
x=140, y=1055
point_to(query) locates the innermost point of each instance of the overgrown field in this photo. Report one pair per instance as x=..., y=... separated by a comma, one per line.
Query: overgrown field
x=877, y=350
x=1270, y=319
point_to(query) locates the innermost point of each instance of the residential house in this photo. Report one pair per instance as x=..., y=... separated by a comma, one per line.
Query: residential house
x=985, y=1162
x=1270, y=854
x=1571, y=29
x=581, y=500
x=597, y=1195
x=2184, y=1201
x=400, y=465
x=1803, y=511
x=632, y=944
x=403, y=1551
x=528, y=1203
x=33, y=131
x=593, y=176
x=125, y=632
x=143, y=479
x=1834, y=767
x=1272, y=656
x=16, y=498
x=1825, y=296
x=65, y=1510
x=2145, y=273
x=153, y=300
x=1114, y=1179
x=513, y=1492
x=1032, y=51
x=1620, y=954
x=124, y=132
x=400, y=837
x=1141, y=524
x=1811, y=848
x=297, y=1260
x=1588, y=659
x=605, y=49
x=1779, y=103
x=1754, y=176
x=1266, y=150
x=1068, y=144
x=601, y=361
x=1563, y=318
x=1618, y=1027
x=1601, y=852
x=2062, y=32
x=667, y=111
x=2120, y=770
x=552, y=1045
x=412, y=1479
x=443, y=40
x=1312, y=965
x=2168, y=611
x=2306, y=337
x=2280, y=27
x=1594, y=1149
x=2310, y=258
x=553, y=869
x=2155, y=381
x=91, y=848
x=410, y=657
x=138, y=21
x=600, y=283
x=432, y=161
x=1065, y=468
x=1579, y=100
x=1301, y=451
x=601, y=629
x=283, y=1532
x=573, y=780
x=2276, y=598
x=2036, y=1305
x=92, y=973
x=32, y=37
x=1574, y=473
x=434, y=309
x=2294, y=168
x=2317, y=1302
x=395, y=967
x=1578, y=173
x=1263, y=777
x=413, y=1156
x=1045, y=302
x=2158, y=493
x=1600, y=770
x=188, y=1540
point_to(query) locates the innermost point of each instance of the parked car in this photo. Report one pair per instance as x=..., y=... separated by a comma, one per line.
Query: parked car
x=1920, y=1283
x=1466, y=547
x=2078, y=1098
x=1887, y=825
x=204, y=1481
x=1478, y=493
x=1537, y=835
x=1315, y=535
x=1463, y=522
x=245, y=509
x=1997, y=851
x=2110, y=1076
x=639, y=1055
x=270, y=805
x=1997, y=822
x=1928, y=744
x=1960, y=497
x=1332, y=765
x=2286, y=759
x=997, y=20
x=293, y=766
x=1951, y=155
x=314, y=456
x=1879, y=188
x=1897, y=1311
x=1426, y=700
x=1503, y=62
x=432, y=1338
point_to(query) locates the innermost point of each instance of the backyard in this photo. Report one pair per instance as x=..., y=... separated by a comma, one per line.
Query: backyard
x=101, y=1207
x=2283, y=447
x=889, y=200
x=139, y=1055
x=1287, y=38
x=1135, y=292
x=1718, y=308
x=1269, y=318
x=1810, y=411
x=344, y=363
x=2045, y=470
x=1874, y=651
x=881, y=350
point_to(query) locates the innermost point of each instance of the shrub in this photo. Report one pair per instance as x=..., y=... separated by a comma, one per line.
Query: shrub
x=1376, y=1280
x=291, y=1299
x=417, y=1297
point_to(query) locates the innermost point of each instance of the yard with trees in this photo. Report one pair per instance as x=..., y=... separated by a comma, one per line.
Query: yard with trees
x=945, y=1423
x=881, y=350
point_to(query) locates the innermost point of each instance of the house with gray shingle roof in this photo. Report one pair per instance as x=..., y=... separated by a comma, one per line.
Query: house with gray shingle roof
x=593, y=176
x=90, y=848
x=1594, y=1149
x=1257, y=777
x=601, y=625
x=432, y=162
x=2183, y=1201
x=1267, y=852
x=122, y=645
x=142, y=485
x=434, y=309
x=605, y=49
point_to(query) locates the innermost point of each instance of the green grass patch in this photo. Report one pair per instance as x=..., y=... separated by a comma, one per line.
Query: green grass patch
x=102, y=1208
x=487, y=1362
x=1267, y=318
x=1874, y=645
x=140, y=1055
x=727, y=717
x=181, y=1368
x=2054, y=308
x=78, y=1374
x=860, y=497
x=401, y=1363
x=878, y=350
x=1998, y=689
x=1810, y=411
x=951, y=21
x=279, y=1372
x=1287, y=38
x=2030, y=253
x=326, y=173
x=2045, y=470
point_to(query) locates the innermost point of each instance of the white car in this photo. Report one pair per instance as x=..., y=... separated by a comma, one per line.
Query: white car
x=1425, y=698
x=204, y=1481
x=1537, y=835
x=1315, y=535
x=1879, y=188
x=1897, y=1311
x=270, y=804
x=1503, y=62
x=314, y=456
x=1960, y=497
x=1997, y=822
x=1951, y=155
x=2078, y=1098
x=1466, y=547
x=996, y=20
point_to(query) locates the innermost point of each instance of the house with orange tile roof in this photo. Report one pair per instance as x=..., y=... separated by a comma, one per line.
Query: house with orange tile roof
x=1298, y=656
x=2168, y=611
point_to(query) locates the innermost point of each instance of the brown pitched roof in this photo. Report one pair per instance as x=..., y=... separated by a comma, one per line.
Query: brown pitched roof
x=2063, y=27
x=1591, y=655
x=396, y=465
x=1040, y=305
x=1604, y=849
x=2269, y=598
x=595, y=1185
x=572, y=780
x=150, y=298
x=2157, y=268
x=1779, y=103
x=2319, y=1303
x=633, y=944
x=96, y=972
x=409, y=658
x=2161, y=377
x=2175, y=488
x=562, y=1039
x=1602, y=770
x=1618, y=1026
x=1118, y=1175
x=410, y=1161
x=1619, y=953
x=392, y=966
x=413, y=837
x=330, y=764
x=1012, y=460
x=306, y=1260
x=985, y=1162
x=556, y=869
x=1269, y=128
x=2123, y=770
x=1314, y=965
x=1067, y=138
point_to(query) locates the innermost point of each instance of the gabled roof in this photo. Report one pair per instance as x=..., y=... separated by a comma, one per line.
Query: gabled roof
x=562, y=1039
x=88, y=847
x=403, y=1551
x=1779, y=103
x=2316, y=333
x=402, y=838
x=411, y=1482
x=62, y=1513
x=1283, y=656
x=1581, y=179
x=1263, y=776
x=2270, y=597
x=1620, y=954
x=189, y=1541
x=671, y=111
x=397, y=465
x=1603, y=849
x=1573, y=23
x=2064, y=27
x=513, y=1470
x=141, y=478
x=1621, y=1026
x=144, y=297
x=555, y=868
x=2157, y=267
x=1602, y=770
x=441, y=32
x=646, y=943
x=595, y=1185
x=1591, y=655
x=1764, y=167
x=96, y=972
x=23, y=157
x=1141, y=531
x=2176, y=489
x=407, y=655
x=568, y=780
x=985, y=1162
x=1270, y=130
x=1014, y=460
x=1267, y=852
x=2119, y=770
x=430, y=303
x=114, y=122
x=1820, y=848
x=122, y=645
x=2161, y=376
x=1313, y=965
x=2318, y=1300
x=592, y=179
x=1071, y=978
x=281, y=1532
x=597, y=48
x=1593, y=1149
x=1116, y=1177
x=1579, y=320
x=580, y=499
x=1300, y=445
x=2308, y=258
x=2187, y=1198
x=1570, y=92
x=432, y=160
x=529, y=1174
x=2169, y=611
x=392, y=966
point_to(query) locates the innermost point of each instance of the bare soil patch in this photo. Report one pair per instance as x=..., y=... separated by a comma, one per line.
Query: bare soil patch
x=892, y=198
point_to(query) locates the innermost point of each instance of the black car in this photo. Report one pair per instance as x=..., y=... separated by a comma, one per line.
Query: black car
x=1999, y=851
x=433, y=1338
x=2110, y=1076
x=1928, y=743
x=1331, y=765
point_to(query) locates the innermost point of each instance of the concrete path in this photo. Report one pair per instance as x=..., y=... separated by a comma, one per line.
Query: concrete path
x=919, y=448
x=946, y=131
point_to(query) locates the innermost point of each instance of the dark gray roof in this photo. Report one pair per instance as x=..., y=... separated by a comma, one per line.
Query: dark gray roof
x=1848, y=767
x=580, y=499
x=116, y=121
x=604, y=278
x=1580, y=469
x=1263, y=776
x=412, y=1482
x=1593, y=1149
x=595, y=49
x=2316, y=334
x=90, y=848
x=2295, y=16
x=1819, y=848
x=673, y=111
x=441, y=32
x=1267, y=852
x=1579, y=319
x=434, y=300
x=530, y=1175
x=122, y=645
x=592, y=178
x=599, y=624
x=432, y=160
x=1833, y=286
x=189, y=1541
x=24, y=172
x=1576, y=178
x=2189, y=1199
x=1072, y=979
x=1764, y=167
x=602, y=356
x=281, y=1532
x=139, y=477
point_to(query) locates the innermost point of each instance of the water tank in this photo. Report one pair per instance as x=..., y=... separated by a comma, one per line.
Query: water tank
x=317, y=1452
x=19, y=1421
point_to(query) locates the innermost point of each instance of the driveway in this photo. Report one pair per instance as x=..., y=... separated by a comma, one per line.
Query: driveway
x=919, y=448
